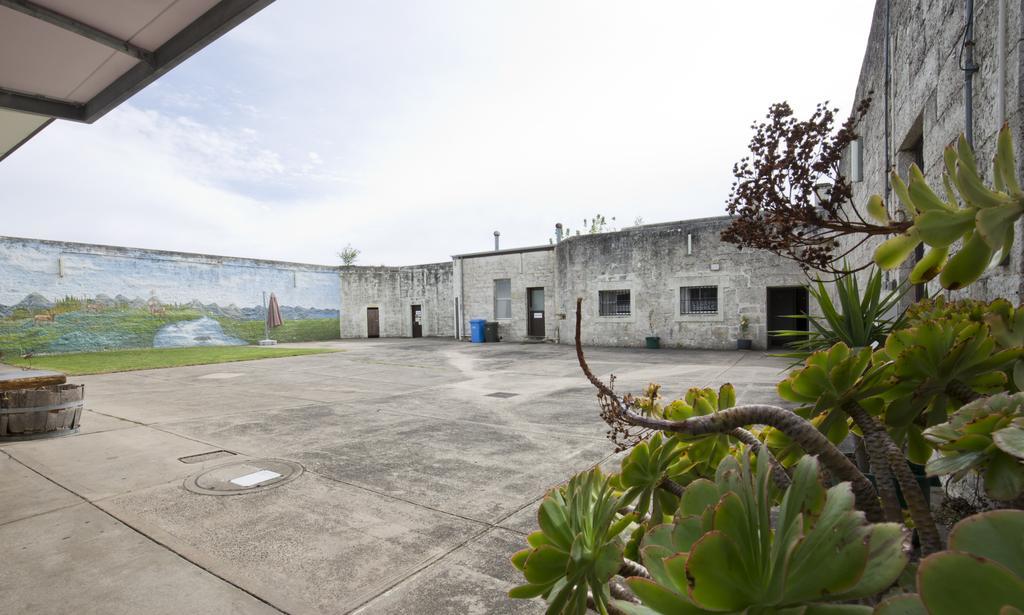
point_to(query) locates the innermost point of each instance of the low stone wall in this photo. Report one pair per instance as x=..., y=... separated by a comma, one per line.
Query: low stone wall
x=65, y=297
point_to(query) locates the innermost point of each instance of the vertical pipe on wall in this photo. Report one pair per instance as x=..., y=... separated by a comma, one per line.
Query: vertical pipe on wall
x=1000, y=63
x=969, y=69
x=888, y=95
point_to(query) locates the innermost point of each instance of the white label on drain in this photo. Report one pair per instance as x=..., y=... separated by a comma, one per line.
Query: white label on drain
x=255, y=478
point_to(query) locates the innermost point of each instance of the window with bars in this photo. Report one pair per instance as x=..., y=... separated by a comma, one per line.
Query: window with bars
x=698, y=300
x=613, y=303
x=502, y=299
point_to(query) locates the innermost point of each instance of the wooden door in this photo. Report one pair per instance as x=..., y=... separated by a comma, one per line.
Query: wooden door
x=372, y=322
x=417, y=321
x=535, y=312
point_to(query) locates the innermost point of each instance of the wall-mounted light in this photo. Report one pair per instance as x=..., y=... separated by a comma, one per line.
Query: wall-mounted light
x=715, y=266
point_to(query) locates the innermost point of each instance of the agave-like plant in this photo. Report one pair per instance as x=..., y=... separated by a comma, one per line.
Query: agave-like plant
x=723, y=554
x=982, y=573
x=862, y=318
x=980, y=217
x=984, y=436
x=577, y=549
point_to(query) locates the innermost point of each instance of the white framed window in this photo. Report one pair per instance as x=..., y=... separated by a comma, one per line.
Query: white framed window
x=614, y=303
x=698, y=300
x=503, y=299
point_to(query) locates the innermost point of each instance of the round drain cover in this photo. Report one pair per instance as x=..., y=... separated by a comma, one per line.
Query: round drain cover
x=244, y=477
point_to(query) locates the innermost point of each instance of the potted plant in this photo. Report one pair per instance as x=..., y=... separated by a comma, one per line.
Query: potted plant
x=744, y=342
x=652, y=341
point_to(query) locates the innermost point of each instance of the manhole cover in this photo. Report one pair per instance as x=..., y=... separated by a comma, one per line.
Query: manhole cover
x=501, y=394
x=244, y=477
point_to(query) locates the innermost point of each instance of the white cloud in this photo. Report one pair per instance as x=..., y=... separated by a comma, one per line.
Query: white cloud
x=413, y=131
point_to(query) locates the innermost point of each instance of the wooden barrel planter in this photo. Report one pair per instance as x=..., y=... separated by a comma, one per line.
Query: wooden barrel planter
x=43, y=412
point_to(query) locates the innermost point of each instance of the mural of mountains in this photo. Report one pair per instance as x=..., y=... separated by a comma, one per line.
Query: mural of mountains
x=102, y=322
x=34, y=303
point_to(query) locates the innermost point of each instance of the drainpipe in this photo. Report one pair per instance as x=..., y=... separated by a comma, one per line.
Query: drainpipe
x=888, y=95
x=1001, y=64
x=969, y=69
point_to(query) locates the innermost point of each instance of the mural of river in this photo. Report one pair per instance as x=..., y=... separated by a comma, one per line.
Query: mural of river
x=203, y=331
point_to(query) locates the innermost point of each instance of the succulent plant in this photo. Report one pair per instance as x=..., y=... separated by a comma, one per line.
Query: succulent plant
x=937, y=364
x=577, y=549
x=982, y=573
x=643, y=471
x=985, y=436
x=722, y=553
x=829, y=380
x=981, y=218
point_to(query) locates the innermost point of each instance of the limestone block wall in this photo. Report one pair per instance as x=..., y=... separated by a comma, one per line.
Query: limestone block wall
x=393, y=291
x=526, y=268
x=653, y=262
x=60, y=296
x=927, y=104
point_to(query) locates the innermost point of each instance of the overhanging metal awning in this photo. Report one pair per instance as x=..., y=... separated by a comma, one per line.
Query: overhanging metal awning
x=78, y=59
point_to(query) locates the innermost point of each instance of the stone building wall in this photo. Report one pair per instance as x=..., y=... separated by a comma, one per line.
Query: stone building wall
x=927, y=104
x=524, y=268
x=654, y=262
x=393, y=291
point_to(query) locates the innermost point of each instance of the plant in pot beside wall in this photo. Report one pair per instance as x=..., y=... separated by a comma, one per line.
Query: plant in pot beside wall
x=652, y=341
x=744, y=342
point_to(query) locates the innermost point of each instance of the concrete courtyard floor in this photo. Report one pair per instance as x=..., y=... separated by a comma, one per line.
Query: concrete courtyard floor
x=417, y=487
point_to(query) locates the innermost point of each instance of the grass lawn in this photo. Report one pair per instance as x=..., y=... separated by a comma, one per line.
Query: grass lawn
x=81, y=363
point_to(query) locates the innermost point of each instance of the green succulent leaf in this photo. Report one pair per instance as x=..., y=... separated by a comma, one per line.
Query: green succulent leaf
x=997, y=535
x=967, y=265
x=993, y=222
x=941, y=227
x=876, y=209
x=1010, y=440
x=903, y=604
x=895, y=250
x=943, y=579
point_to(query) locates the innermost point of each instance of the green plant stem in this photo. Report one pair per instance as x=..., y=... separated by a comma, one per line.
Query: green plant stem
x=961, y=392
x=876, y=437
x=779, y=475
x=633, y=569
x=879, y=462
x=797, y=428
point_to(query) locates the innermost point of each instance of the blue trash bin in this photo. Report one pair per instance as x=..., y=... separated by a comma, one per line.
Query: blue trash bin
x=476, y=330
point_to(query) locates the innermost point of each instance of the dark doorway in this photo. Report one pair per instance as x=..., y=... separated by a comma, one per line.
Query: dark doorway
x=372, y=322
x=535, y=312
x=417, y=321
x=783, y=302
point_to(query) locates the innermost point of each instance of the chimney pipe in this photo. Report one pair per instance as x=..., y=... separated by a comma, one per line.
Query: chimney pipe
x=497, y=234
x=558, y=232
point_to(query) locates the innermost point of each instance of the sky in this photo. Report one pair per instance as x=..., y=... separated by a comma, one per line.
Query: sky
x=414, y=130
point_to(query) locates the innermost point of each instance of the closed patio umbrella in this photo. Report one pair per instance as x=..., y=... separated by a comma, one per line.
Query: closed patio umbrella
x=273, y=319
x=273, y=312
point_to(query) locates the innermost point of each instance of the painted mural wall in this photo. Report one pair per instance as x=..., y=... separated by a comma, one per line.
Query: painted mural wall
x=70, y=297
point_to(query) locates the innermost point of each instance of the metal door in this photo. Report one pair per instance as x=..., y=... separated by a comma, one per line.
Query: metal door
x=535, y=312
x=372, y=322
x=417, y=321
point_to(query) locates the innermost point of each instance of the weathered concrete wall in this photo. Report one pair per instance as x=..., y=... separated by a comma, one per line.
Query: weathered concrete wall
x=530, y=268
x=61, y=296
x=653, y=264
x=393, y=291
x=927, y=102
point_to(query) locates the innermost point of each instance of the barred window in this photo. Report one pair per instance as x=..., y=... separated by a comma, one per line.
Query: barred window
x=698, y=300
x=613, y=303
x=502, y=299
